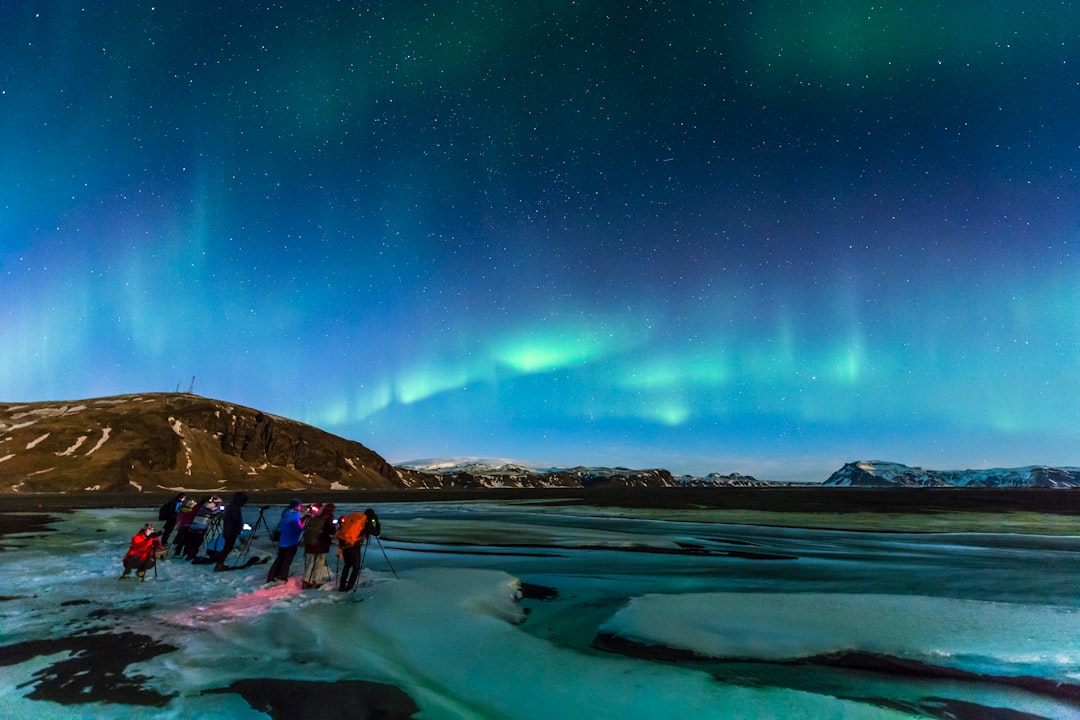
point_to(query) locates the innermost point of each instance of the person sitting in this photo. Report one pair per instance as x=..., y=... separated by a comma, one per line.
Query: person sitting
x=140, y=556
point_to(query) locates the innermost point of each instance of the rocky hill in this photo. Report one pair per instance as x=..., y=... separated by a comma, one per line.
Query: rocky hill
x=161, y=441
x=877, y=473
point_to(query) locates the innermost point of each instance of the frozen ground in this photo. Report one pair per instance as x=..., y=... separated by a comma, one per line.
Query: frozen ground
x=526, y=610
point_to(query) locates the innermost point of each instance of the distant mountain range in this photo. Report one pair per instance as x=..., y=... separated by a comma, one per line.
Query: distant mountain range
x=498, y=474
x=877, y=473
x=179, y=441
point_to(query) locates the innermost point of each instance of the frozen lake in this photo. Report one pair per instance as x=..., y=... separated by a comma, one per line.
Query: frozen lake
x=536, y=610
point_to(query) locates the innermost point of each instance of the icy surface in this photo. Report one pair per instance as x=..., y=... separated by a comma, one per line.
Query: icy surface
x=965, y=634
x=450, y=614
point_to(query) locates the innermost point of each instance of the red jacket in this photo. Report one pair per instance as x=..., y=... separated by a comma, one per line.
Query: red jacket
x=142, y=548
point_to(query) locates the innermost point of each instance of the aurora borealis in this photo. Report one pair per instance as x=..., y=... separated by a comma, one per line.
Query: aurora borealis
x=757, y=237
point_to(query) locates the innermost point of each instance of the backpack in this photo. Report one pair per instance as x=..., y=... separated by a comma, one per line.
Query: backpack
x=352, y=529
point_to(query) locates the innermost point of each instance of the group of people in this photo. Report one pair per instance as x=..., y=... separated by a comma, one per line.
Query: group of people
x=315, y=527
x=193, y=520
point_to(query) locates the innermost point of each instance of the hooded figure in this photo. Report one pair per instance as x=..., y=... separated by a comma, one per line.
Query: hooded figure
x=232, y=523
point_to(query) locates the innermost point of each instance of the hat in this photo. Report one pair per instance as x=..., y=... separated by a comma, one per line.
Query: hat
x=189, y=503
x=148, y=527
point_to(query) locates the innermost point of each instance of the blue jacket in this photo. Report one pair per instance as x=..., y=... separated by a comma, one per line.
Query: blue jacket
x=291, y=528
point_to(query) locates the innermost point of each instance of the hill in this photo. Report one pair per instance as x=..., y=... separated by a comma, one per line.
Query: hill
x=158, y=441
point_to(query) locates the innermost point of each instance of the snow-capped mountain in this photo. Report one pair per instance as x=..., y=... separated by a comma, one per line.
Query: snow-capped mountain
x=877, y=473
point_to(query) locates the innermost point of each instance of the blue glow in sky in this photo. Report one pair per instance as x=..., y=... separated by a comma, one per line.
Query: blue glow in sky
x=767, y=238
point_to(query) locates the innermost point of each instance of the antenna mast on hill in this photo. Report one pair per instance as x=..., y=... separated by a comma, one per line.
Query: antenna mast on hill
x=191, y=387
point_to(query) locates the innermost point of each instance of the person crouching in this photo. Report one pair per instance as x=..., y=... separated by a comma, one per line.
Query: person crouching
x=140, y=556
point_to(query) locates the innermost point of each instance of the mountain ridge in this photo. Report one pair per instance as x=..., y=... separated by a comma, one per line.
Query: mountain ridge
x=185, y=442
x=880, y=473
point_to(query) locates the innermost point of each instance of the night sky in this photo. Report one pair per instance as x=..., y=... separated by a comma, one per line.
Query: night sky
x=757, y=237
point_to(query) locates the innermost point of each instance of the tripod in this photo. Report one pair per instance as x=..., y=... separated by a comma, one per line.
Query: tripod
x=365, y=544
x=246, y=545
x=213, y=530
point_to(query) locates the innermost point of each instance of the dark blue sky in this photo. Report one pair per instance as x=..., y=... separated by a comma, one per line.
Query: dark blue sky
x=764, y=237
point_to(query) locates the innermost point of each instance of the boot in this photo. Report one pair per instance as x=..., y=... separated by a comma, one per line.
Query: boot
x=220, y=567
x=126, y=575
x=141, y=574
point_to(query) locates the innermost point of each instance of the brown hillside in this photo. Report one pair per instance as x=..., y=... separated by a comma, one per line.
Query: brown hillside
x=155, y=441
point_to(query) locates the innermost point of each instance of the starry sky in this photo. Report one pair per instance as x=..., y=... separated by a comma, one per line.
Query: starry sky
x=759, y=237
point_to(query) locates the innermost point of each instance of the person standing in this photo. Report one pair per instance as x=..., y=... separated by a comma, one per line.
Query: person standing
x=354, y=530
x=209, y=507
x=318, y=532
x=232, y=524
x=140, y=556
x=168, y=513
x=184, y=518
x=291, y=528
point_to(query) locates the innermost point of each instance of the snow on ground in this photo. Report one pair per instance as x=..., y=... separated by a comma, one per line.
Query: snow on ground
x=443, y=613
x=963, y=634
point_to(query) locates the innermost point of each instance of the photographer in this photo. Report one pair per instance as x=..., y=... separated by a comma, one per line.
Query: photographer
x=232, y=524
x=209, y=507
x=318, y=533
x=290, y=529
x=140, y=557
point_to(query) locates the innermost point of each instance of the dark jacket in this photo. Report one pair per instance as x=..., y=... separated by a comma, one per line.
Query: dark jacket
x=171, y=508
x=318, y=532
x=232, y=522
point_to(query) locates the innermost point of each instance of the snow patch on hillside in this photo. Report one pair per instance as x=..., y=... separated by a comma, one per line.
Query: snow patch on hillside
x=33, y=443
x=71, y=450
x=104, y=436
